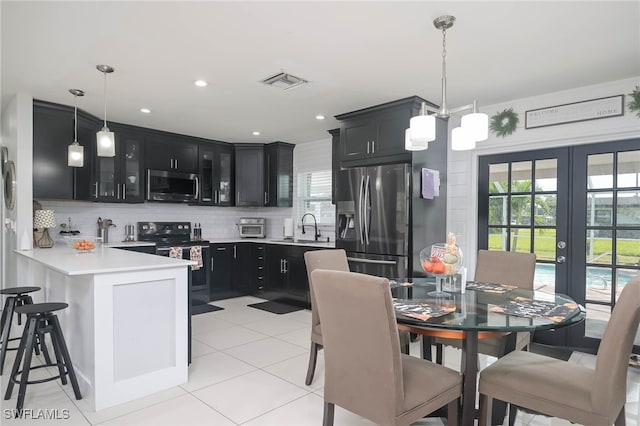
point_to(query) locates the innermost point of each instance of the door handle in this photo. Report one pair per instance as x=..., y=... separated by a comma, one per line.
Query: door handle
x=373, y=147
x=281, y=266
x=561, y=259
x=266, y=197
x=286, y=266
x=171, y=163
x=360, y=217
x=118, y=192
x=124, y=191
x=234, y=251
x=212, y=263
x=176, y=163
x=368, y=147
x=96, y=185
x=365, y=212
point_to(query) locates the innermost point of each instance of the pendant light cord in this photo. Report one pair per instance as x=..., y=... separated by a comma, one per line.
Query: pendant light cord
x=105, y=99
x=75, y=118
x=443, y=104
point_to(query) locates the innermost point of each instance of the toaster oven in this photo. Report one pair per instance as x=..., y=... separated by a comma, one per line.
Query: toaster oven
x=252, y=227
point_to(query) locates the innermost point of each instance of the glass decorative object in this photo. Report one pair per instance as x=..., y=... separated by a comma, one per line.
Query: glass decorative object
x=443, y=261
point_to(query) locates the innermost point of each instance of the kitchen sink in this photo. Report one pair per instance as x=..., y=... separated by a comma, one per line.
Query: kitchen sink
x=301, y=241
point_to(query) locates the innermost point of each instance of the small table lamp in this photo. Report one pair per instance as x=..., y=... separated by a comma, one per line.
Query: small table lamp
x=44, y=219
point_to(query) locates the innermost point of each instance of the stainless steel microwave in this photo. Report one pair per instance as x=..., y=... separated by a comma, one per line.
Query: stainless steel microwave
x=173, y=187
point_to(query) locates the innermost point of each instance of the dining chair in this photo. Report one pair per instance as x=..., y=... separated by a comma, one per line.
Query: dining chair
x=566, y=390
x=365, y=372
x=499, y=267
x=336, y=260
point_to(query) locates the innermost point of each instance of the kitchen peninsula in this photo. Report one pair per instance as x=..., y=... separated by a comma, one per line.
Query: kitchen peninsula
x=127, y=321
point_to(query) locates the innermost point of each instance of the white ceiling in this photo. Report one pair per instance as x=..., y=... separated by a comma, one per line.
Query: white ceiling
x=355, y=55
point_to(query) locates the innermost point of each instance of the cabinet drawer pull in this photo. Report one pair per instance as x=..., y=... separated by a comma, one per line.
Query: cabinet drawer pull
x=221, y=248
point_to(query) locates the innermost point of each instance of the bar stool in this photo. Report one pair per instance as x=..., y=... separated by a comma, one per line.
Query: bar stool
x=40, y=320
x=17, y=296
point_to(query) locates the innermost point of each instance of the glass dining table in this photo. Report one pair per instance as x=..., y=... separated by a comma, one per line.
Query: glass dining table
x=483, y=311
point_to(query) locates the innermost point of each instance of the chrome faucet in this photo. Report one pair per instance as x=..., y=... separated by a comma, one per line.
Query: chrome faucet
x=315, y=225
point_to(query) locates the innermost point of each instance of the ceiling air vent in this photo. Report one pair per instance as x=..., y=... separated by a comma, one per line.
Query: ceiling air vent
x=284, y=81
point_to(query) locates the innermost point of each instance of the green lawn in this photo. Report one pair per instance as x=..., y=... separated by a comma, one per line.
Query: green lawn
x=545, y=243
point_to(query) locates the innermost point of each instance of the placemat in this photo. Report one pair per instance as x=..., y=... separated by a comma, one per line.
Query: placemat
x=421, y=311
x=489, y=287
x=529, y=308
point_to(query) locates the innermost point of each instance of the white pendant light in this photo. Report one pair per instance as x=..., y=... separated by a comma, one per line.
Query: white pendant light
x=105, y=138
x=75, y=151
x=475, y=125
x=423, y=128
x=410, y=145
x=461, y=139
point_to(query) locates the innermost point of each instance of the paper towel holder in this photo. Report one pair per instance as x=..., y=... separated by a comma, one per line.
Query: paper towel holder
x=287, y=229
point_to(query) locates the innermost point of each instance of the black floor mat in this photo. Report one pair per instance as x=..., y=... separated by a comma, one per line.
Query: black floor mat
x=276, y=307
x=557, y=352
x=201, y=309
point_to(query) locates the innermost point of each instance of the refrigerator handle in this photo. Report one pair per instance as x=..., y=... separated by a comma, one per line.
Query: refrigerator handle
x=360, y=218
x=365, y=211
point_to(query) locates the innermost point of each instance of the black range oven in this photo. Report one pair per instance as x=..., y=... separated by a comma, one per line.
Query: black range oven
x=174, y=235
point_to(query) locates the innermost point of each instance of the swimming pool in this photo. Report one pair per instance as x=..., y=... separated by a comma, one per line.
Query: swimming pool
x=597, y=277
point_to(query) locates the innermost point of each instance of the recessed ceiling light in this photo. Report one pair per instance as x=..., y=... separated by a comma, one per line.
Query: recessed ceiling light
x=200, y=83
x=319, y=117
x=145, y=110
x=256, y=133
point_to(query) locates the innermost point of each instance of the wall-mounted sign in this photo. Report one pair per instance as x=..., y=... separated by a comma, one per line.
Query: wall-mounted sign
x=574, y=112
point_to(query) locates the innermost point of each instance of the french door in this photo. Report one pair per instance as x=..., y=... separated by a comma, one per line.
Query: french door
x=578, y=209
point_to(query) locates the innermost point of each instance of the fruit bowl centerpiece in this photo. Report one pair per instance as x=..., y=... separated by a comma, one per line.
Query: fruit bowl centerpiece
x=442, y=260
x=83, y=244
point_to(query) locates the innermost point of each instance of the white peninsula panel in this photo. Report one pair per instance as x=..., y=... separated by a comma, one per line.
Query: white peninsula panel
x=127, y=321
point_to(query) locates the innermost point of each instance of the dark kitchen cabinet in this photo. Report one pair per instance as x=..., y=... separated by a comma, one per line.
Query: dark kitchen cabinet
x=335, y=161
x=222, y=266
x=171, y=153
x=249, y=276
x=52, y=133
x=287, y=274
x=278, y=174
x=217, y=172
x=264, y=175
x=376, y=135
x=249, y=175
x=120, y=179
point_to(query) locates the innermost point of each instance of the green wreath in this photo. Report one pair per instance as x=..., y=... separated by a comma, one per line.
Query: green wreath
x=504, y=123
x=634, y=103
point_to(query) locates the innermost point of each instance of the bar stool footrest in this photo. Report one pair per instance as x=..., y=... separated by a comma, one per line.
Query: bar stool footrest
x=10, y=340
x=48, y=379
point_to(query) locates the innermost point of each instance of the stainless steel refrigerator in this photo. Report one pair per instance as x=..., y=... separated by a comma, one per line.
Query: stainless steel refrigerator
x=372, y=223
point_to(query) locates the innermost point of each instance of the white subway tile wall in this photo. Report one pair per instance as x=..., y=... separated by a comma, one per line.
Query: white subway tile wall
x=218, y=223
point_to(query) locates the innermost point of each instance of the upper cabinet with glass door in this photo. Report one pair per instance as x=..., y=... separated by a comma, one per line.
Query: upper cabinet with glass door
x=216, y=164
x=121, y=178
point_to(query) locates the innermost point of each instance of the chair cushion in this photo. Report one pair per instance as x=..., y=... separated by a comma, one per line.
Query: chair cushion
x=547, y=385
x=445, y=385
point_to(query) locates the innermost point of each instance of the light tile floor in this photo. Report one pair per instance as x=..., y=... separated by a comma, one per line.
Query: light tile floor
x=248, y=369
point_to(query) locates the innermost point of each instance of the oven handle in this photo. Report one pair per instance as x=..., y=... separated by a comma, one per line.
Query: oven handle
x=163, y=249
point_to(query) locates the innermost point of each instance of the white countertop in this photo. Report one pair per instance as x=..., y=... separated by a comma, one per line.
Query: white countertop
x=102, y=260
x=324, y=244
